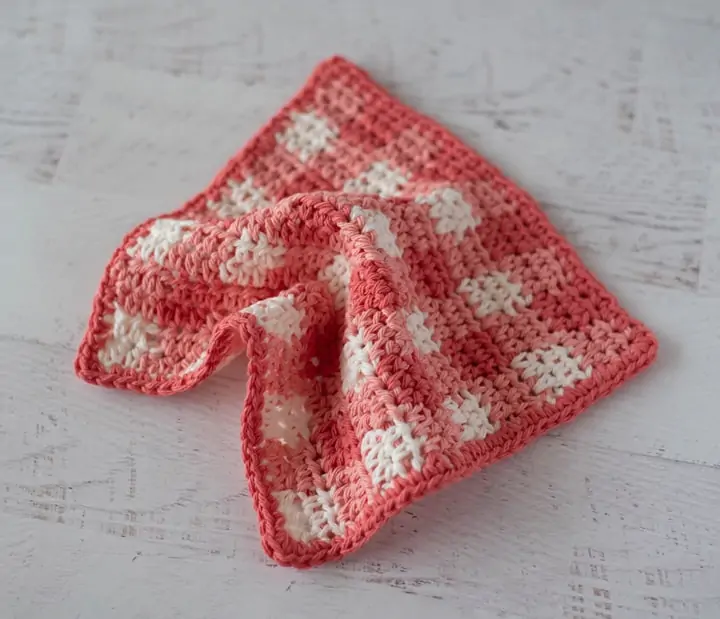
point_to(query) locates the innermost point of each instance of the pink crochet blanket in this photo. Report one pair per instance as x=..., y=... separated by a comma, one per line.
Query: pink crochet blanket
x=409, y=315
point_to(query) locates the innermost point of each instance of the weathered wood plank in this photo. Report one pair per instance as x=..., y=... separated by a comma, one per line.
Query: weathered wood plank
x=123, y=506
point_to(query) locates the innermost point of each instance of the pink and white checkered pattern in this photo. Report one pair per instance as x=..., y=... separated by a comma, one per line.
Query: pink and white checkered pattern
x=409, y=315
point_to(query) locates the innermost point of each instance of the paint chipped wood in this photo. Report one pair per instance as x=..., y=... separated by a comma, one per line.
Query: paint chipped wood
x=124, y=506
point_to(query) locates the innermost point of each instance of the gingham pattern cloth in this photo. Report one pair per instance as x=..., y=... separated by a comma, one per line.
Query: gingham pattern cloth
x=409, y=315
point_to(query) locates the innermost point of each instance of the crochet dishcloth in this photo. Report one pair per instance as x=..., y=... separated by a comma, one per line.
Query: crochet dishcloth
x=409, y=315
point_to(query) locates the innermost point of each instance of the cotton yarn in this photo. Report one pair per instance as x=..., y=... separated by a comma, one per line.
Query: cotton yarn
x=409, y=314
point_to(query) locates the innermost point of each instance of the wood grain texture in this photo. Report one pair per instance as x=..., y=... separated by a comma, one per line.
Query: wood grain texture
x=116, y=505
x=709, y=278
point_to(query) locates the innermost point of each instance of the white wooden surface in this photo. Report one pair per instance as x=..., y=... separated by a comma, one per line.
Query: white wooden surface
x=113, y=505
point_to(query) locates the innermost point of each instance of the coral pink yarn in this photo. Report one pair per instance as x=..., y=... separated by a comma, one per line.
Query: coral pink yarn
x=409, y=315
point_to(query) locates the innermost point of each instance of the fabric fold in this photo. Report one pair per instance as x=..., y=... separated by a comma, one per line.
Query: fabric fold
x=408, y=314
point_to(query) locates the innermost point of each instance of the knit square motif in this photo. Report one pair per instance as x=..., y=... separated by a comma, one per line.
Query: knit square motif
x=409, y=315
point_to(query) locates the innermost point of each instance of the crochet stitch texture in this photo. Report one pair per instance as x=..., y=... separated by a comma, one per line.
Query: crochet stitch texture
x=409, y=315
